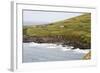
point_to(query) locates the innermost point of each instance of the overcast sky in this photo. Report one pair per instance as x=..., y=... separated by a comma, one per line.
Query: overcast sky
x=43, y=17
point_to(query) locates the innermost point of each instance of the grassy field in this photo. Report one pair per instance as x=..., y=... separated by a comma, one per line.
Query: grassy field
x=76, y=29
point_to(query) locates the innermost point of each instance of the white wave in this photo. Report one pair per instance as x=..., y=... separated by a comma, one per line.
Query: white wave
x=47, y=45
x=65, y=49
x=51, y=47
x=59, y=47
x=81, y=51
x=33, y=44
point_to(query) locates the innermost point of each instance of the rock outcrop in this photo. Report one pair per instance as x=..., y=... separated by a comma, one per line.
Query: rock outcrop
x=87, y=56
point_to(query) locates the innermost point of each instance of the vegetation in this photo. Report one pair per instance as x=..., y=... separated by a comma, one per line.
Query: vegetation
x=76, y=30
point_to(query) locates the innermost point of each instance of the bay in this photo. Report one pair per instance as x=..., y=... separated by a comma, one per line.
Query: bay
x=43, y=52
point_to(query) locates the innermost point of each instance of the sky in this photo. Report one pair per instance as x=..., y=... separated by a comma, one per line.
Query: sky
x=44, y=17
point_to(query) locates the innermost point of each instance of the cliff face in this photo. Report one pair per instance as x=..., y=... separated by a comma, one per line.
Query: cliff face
x=43, y=39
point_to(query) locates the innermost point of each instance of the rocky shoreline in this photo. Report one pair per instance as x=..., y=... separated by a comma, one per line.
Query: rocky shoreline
x=56, y=39
x=87, y=56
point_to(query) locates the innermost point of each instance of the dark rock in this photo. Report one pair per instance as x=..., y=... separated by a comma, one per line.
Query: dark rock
x=58, y=40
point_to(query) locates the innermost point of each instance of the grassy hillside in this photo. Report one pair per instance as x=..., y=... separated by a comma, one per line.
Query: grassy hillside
x=76, y=29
